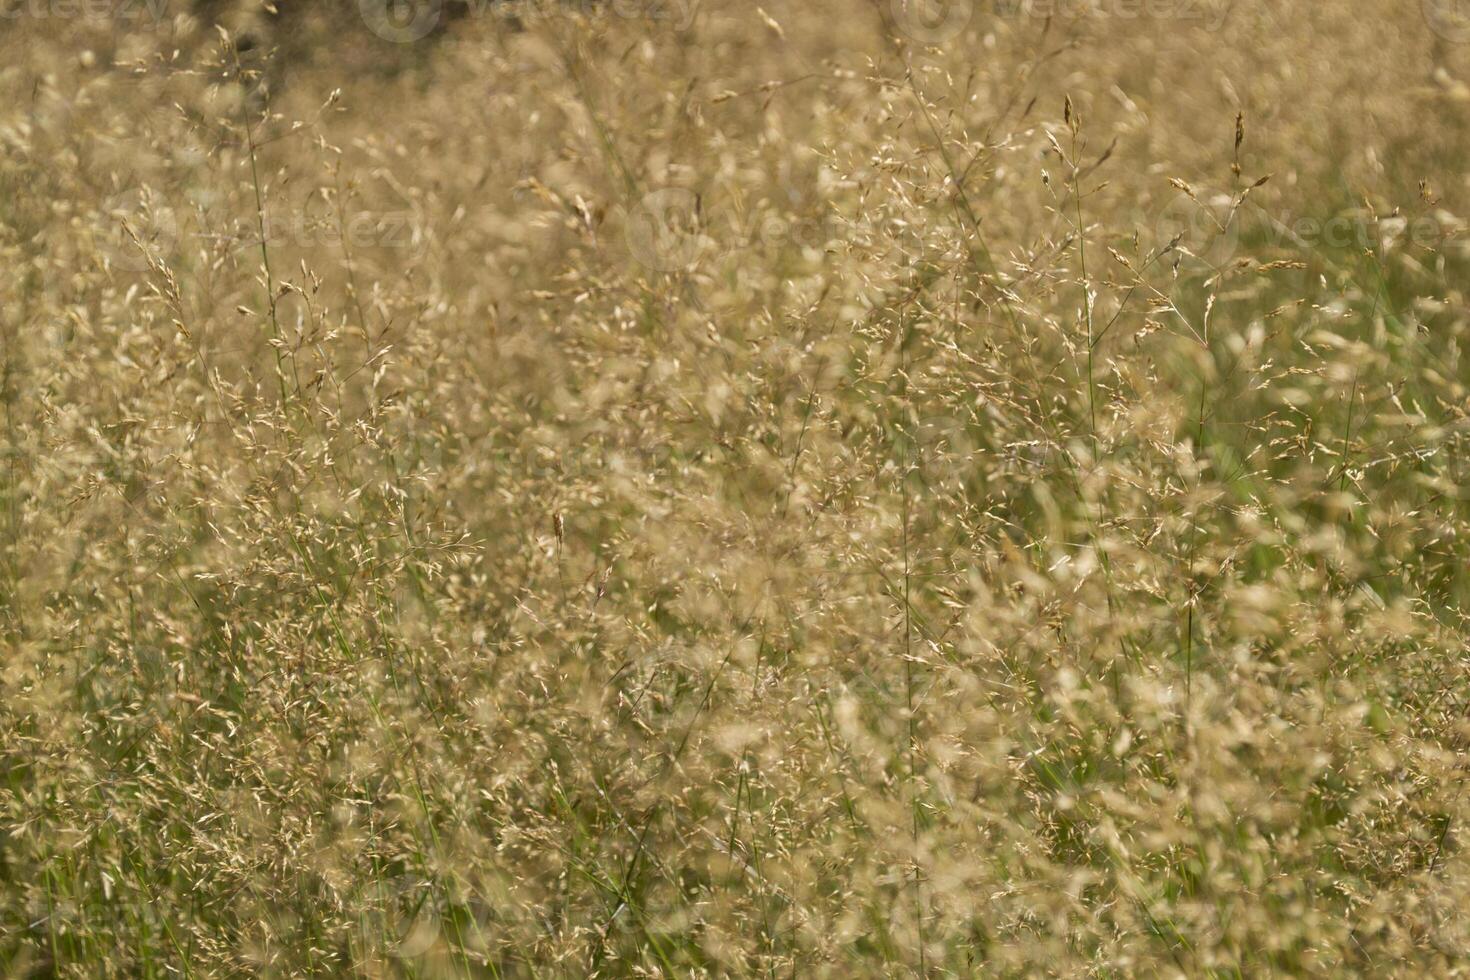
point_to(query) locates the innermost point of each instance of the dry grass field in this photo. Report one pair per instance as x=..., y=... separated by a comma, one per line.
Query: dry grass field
x=662, y=488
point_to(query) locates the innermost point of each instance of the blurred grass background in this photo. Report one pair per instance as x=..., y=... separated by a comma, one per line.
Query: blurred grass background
x=812, y=489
